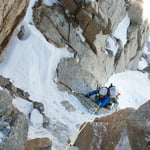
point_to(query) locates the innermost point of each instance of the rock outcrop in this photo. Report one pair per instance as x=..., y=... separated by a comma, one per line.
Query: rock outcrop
x=89, y=30
x=104, y=133
x=128, y=129
x=138, y=128
x=13, y=124
x=11, y=13
x=39, y=144
x=17, y=92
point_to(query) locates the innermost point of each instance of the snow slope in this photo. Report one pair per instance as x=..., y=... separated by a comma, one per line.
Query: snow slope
x=31, y=64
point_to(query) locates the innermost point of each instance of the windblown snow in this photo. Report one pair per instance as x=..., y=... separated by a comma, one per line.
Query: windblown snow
x=31, y=65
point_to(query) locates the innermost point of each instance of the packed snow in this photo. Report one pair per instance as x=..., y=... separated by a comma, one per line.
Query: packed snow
x=146, y=4
x=79, y=31
x=31, y=64
x=112, y=45
x=133, y=86
x=121, y=30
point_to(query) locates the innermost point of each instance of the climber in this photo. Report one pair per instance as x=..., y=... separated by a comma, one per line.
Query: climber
x=104, y=96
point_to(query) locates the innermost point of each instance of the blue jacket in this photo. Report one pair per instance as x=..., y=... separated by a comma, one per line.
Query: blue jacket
x=102, y=101
x=93, y=92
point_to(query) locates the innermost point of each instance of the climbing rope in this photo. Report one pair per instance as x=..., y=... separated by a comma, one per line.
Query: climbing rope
x=75, y=137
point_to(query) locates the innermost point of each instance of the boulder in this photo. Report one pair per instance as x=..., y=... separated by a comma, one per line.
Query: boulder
x=18, y=133
x=11, y=13
x=84, y=18
x=4, y=81
x=93, y=28
x=13, y=124
x=138, y=128
x=39, y=144
x=147, y=69
x=126, y=129
x=104, y=133
x=136, y=17
x=6, y=106
x=39, y=106
x=70, y=5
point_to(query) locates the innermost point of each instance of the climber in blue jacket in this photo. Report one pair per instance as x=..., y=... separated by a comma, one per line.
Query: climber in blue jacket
x=105, y=95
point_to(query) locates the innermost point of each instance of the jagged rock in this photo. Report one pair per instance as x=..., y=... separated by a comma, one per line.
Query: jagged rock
x=70, y=5
x=84, y=18
x=39, y=144
x=108, y=11
x=132, y=45
x=138, y=128
x=22, y=94
x=11, y=13
x=38, y=106
x=46, y=121
x=91, y=31
x=6, y=106
x=135, y=16
x=13, y=125
x=74, y=72
x=18, y=133
x=21, y=32
x=4, y=130
x=104, y=133
x=137, y=36
x=127, y=129
x=54, y=27
x=92, y=63
x=68, y=106
x=147, y=58
x=4, y=81
x=147, y=69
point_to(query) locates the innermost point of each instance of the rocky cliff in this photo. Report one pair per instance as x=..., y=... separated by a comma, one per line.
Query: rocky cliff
x=126, y=129
x=11, y=13
x=90, y=30
x=13, y=124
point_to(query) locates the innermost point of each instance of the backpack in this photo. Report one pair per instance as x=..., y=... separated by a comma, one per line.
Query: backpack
x=103, y=91
x=112, y=91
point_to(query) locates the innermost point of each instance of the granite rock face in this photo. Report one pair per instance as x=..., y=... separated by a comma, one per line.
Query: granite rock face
x=138, y=128
x=105, y=133
x=13, y=124
x=89, y=31
x=126, y=129
x=39, y=144
x=11, y=13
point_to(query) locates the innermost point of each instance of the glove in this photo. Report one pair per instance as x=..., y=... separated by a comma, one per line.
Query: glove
x=87, y=95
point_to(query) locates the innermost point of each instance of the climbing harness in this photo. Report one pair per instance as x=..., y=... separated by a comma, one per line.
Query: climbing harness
x=75, y=137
